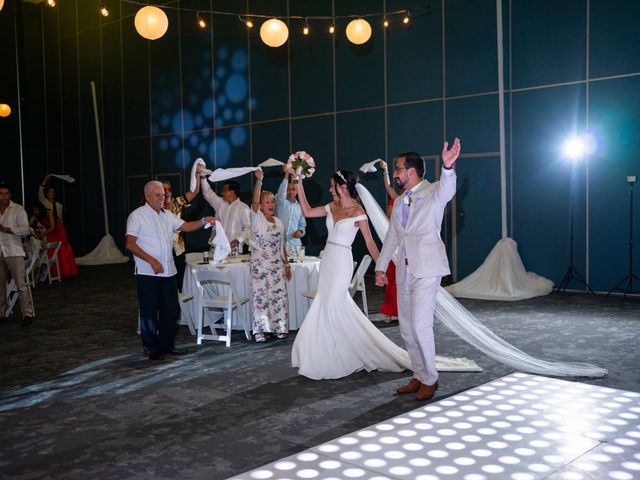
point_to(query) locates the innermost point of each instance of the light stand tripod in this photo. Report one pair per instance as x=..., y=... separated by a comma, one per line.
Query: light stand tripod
x=628, y=279
x=572, y=273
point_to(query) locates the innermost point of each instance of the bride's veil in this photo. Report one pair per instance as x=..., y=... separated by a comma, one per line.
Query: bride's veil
x=464, y=324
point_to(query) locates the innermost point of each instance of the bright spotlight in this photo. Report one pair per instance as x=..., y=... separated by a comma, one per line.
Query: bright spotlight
x=574, y=148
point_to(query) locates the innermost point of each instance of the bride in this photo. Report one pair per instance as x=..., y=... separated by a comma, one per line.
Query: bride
x=336, y=338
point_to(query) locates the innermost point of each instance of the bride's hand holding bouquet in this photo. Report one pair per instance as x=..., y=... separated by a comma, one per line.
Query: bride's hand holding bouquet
x=300, y=165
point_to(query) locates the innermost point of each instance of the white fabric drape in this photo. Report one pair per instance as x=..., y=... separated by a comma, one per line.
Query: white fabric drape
x=222, y=174
x=464, y=324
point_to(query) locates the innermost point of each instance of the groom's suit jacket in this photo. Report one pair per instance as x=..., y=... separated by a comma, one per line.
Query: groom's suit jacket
x=420, y=249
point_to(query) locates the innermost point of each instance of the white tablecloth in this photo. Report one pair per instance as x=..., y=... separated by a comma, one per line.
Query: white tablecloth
x=304, y=277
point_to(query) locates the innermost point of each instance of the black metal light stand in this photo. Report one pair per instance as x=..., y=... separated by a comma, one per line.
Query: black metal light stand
x=627, y=281
x=572, y=273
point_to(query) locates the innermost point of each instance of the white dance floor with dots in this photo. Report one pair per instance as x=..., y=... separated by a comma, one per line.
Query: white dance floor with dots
x=519, y=427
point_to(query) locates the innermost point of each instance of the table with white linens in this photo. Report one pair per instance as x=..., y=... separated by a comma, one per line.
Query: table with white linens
x=304, y=277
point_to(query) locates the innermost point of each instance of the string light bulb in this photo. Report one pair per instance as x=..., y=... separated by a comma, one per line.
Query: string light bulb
x=274, y=32
x=103, y=10
x=407, y=18
x=305, y=29
x=51, y=3
x=385, y=22
x=200, y=20
x=332, y=28
x=358, y=31
x=249, y=23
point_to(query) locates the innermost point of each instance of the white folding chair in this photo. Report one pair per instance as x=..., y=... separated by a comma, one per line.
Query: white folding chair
x=53, y=260
x=193, y=257
x=356, y=285
x=227, y=303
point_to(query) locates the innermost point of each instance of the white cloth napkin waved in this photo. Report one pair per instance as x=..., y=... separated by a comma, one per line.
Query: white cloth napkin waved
x=370, y=166
x=222, y=174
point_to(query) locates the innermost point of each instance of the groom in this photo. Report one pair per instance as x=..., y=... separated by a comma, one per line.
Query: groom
x=414, y=230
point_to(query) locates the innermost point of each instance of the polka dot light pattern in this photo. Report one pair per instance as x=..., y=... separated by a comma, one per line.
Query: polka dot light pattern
x=519, y=427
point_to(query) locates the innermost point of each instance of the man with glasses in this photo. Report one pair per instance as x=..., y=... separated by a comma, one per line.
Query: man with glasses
x=421, y=261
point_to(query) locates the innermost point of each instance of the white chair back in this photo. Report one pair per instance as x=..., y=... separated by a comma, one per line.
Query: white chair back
x=193, y=257
x=53, y=260
x=220, y=280
x=357, y=282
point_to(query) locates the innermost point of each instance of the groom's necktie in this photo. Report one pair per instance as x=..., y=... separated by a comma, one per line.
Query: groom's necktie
x=406, y=202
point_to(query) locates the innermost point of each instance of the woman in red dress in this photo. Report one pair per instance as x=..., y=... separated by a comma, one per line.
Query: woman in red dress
x=56, y=233
x=390, y=304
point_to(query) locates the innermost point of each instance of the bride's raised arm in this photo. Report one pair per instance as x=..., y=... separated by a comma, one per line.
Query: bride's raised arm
x=307, y=210
x=368, y=239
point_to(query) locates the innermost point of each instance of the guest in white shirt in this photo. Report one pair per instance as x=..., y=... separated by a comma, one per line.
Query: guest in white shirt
x=14, y=224
x=150, y=230
x=232, y=213
x=290, y=213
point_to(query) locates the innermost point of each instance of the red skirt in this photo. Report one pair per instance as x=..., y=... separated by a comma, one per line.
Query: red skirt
x=390, y=305
x=66, y=258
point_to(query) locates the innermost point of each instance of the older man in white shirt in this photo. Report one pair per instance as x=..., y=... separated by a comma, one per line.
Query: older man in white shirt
x=150, y=230
x=14, y=224
x=232, y=213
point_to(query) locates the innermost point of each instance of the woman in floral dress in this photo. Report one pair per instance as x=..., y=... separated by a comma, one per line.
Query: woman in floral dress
x=269, y=266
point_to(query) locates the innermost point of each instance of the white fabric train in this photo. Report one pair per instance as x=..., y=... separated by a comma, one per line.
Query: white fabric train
x=464, y=324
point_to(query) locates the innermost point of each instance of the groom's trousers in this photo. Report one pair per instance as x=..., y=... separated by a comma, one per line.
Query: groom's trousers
x=416, y=303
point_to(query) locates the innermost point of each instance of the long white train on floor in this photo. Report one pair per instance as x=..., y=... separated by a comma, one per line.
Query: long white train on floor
x=519, y=427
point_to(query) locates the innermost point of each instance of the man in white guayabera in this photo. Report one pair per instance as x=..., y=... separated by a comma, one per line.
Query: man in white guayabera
x=421, y=261
x=230, y=210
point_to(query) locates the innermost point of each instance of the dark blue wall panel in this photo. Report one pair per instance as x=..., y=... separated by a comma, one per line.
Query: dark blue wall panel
x=615, y=117
x=614, y=37
x=548, y=42
x=544, y=180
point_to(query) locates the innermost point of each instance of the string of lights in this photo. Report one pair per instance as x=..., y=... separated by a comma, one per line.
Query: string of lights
x=151, y=22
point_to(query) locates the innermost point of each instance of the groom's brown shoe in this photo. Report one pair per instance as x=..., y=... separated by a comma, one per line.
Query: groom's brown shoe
x=412, y=387
x=426, y=391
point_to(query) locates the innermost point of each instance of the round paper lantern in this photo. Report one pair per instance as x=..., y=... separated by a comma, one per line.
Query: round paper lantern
x=5, y=110
x=1, y=4
x=151, y=23
x=274, y=32
x=358, y=31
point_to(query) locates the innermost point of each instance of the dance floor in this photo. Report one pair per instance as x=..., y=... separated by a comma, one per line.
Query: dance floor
x=518, y=427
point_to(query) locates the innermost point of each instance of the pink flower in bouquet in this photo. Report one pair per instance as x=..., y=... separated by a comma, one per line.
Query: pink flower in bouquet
x=301, y=162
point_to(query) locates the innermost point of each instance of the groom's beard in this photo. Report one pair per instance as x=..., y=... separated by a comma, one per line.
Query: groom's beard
x=399, y=183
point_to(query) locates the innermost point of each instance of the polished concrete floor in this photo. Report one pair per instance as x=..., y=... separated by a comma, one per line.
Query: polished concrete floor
x=79, y=400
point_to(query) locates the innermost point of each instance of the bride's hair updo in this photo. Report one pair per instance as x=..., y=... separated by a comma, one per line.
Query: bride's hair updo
x=348, y=178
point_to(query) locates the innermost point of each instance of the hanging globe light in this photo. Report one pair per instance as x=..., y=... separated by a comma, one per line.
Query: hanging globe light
x=5, y=110
x=274, y=32
x=1, y=4
x=151, y=23
x=358, y=31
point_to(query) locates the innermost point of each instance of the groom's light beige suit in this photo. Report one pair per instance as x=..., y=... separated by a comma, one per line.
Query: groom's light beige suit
x=421, y=261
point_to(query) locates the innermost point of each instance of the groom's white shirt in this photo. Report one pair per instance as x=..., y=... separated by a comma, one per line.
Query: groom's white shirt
x=419, y=243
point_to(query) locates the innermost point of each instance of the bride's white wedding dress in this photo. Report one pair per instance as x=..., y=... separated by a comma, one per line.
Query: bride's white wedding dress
x=336, y=338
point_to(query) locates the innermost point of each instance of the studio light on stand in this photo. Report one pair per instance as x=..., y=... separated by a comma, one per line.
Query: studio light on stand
x=574, y=150
x=627, y=281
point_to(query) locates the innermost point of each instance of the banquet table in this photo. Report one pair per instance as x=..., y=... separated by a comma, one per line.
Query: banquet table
x=304, y=277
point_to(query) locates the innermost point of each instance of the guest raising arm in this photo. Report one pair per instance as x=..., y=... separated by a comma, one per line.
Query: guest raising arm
x=233, y=213
x=269, y=266
x=289, y=211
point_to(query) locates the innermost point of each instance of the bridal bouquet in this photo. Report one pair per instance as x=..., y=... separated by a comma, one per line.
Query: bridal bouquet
x=301, y=163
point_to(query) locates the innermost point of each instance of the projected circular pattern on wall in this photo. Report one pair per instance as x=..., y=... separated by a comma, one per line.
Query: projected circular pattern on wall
x=201, y=111
x=521, y=427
